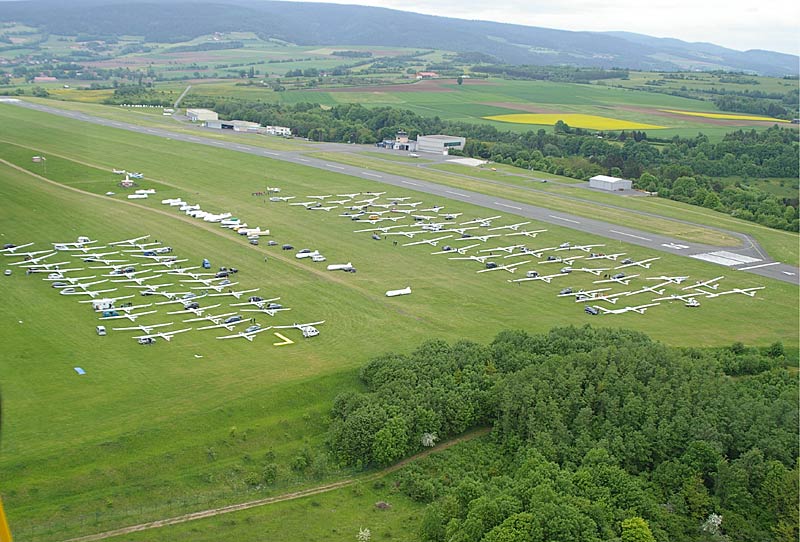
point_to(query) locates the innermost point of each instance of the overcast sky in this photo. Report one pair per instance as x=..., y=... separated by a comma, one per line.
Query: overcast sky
x=773, y=24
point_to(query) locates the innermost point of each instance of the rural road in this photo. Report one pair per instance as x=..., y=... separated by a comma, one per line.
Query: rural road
x=759, y=263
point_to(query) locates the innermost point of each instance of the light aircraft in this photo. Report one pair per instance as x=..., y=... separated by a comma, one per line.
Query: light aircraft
x=672, y=280
x=149, y=289
x=434, y=226
x=216, y=287
x=248, y=334
x=745, y=291
x=329, y=208
x=482, y=238
x=124, y=270
x=107, y=302
x=672, y=297
x=657, y=289
x=43, y=267
x=235, y=294
x=166, y=335
x=84, y=249
x=383, y=219
x=642, y=263
x=508, y=249
x=639, y=309
x=580, y=293
x=86, y=285
x=536, y=252
x=382, y=229
x=94, y=255
x=543, y=278
x=480, y=259
x=625, y=280
x=126, y=308
x=118, y=171
x=593, y=271
x=705, y=284
x=320, y=197
x=461, y=231
x=414, y=205
x=133, y=278
x=256, y=301
x=511, y=268
x=136, y=175
x=432, y=242
x=569, y=260
x=132, y=316
x=404, y=198
x=269, y=311
x=196, y=311
x=71, y=280
x=304, y=203
x=605, y=256
x=586, y=248
x=213, y=318
x=485, y=222
x=434, y=209
x=339, y=201
x=178, y=297
x=340, y=266
x=142, y=327
x=308, y=329
x=29, y=261
x=230, y=326
x=106, y=262
x=451, y=216
x=513, y=227
x=12, y=250
x=167, y=263
x=350, y=196
x=90, y=293
x=58, y=274
x=79, y=243
x=526, y=233
x=461, y=250
x=281, y=198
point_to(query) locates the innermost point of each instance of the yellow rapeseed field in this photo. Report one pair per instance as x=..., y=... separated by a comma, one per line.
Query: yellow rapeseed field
x=576, y=120
x=724, y=116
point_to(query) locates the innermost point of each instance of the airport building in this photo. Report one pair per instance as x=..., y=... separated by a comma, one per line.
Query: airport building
x=201, y=115
x=235, y=125
x=439, y=144
x=610, y=184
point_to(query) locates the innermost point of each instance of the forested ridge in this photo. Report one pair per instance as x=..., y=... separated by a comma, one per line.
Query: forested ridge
x=683, y=169
x=598, y=434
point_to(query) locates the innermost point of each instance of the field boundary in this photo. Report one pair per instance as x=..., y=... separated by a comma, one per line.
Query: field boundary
x=211, y=512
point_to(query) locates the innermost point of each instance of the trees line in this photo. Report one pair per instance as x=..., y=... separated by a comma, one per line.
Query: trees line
x=598, y=434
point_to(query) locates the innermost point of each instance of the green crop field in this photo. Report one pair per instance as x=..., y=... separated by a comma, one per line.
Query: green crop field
x=150, y=432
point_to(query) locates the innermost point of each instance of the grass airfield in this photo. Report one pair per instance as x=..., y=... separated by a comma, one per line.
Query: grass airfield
x=152, y=431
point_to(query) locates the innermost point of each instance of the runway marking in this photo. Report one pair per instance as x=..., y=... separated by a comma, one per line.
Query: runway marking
x=333, y=166
x=758, y=266
x=564, y=219
x=286, y=340
x=372, y=174
x=457, y=194
x=630, y=235
x=272, y=153
x=242, y=147
x=509, y=206
x=788, y=273
x=302, y=159
x=674, y=246
x=409, y=182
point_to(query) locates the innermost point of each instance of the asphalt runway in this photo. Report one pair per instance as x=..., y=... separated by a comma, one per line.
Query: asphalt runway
x=764, y=266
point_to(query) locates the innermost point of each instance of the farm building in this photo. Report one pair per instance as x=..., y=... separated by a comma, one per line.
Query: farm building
x=235, y=125
x=278, y=130
x=427, y=75
x=612, y=184
x=201, y=115
x=439, y=144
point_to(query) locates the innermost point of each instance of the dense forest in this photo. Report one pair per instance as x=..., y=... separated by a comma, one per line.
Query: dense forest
x=683, y=169
x=598, y=434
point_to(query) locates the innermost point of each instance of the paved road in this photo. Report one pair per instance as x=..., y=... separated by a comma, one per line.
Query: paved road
x=765, y=267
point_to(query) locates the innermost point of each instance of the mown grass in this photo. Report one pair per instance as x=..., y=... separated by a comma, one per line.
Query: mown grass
x=154, y=431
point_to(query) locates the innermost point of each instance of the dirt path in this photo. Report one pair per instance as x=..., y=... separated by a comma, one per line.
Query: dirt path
x=278, y=498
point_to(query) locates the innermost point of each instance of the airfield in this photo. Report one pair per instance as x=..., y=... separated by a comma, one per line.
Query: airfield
x=147, y=425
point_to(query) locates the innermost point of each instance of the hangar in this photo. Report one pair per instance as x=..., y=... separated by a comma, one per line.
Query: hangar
x=439, y=144
x=201, y=115
x=611, y=184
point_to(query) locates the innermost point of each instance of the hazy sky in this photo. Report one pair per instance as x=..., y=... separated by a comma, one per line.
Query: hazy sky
x=773, y=24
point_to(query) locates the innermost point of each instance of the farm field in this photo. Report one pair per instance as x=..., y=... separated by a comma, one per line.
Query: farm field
x=591, y=122
x=147, y=426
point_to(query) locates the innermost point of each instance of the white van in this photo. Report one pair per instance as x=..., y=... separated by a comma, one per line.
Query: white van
x=101, y=330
